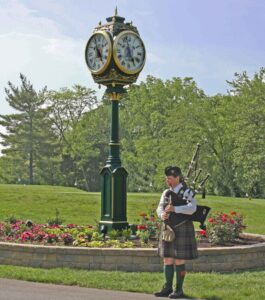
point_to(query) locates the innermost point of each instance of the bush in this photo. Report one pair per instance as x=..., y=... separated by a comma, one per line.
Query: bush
x=57, y=220
x=224, y=227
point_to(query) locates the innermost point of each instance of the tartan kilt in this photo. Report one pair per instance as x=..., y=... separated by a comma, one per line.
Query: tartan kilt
x=183, y=247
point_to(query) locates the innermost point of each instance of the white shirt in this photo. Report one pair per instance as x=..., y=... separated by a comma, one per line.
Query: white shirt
x=188, y=209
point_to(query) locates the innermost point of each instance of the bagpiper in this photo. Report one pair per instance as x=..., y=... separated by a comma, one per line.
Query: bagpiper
x=184, y=245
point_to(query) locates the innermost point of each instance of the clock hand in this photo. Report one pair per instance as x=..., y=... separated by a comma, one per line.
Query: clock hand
x=130, y=53
x=98, y=51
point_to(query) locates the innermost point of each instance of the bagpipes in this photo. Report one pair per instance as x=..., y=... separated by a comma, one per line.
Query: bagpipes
x=179, y=199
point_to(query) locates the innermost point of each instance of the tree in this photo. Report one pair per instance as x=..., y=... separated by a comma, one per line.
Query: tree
x=249, y=131
x=23, y=137
x=66, y=109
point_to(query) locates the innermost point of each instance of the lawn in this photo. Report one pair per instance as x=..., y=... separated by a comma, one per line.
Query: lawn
x=75, y=206
x=214, y=286
x=39, y=203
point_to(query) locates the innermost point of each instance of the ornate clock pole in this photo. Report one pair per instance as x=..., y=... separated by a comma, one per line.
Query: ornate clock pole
x=115, y=55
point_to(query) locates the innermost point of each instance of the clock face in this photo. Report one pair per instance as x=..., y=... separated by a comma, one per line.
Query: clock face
x=98, y=52
x=129, y=52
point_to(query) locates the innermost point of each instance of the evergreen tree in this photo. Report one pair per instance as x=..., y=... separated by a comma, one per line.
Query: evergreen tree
x=23, y=138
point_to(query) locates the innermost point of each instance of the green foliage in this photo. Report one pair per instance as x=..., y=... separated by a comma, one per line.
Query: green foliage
x=113, y=234
x=160, y=124
x=224, y=228
x=57, y=220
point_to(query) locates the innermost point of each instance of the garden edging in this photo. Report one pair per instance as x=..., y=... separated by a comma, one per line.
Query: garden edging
x=218, y=259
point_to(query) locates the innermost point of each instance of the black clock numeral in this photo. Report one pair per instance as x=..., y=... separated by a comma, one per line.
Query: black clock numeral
x=139, y=53
x=119, y=56
x=137, y=60
x=123, y=62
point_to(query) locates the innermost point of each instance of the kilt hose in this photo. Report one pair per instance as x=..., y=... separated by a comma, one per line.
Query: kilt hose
x=183, y=247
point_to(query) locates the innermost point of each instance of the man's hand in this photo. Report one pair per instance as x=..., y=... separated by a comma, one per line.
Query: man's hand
x=164, y=216
x=169, y=208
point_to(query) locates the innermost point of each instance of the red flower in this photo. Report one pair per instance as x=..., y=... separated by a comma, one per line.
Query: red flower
x=141, y=227
x=70, y=225
x=202, y=232
x=233, y=213
x=232, y=221
x=26, y=235
x=211, y=220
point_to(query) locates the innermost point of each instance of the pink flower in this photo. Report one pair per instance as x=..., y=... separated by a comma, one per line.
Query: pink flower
x=224, y=218
x=211, y=220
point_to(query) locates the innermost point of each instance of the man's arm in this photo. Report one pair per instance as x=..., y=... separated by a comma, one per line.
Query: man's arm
x=160, y=208
x=189, y=208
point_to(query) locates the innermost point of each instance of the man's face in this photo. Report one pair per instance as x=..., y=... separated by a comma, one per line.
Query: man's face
x=172, y=181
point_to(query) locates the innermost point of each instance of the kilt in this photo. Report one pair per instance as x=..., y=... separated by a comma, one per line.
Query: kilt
x=183, y=247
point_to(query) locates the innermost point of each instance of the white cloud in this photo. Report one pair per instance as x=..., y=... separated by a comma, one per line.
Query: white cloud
x=35, y=47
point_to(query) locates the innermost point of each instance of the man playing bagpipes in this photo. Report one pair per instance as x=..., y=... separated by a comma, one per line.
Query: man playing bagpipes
x=178, y=209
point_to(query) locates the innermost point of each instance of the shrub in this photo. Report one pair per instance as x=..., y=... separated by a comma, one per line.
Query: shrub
x=224, y=227
x=57, y=220
x=114, y=234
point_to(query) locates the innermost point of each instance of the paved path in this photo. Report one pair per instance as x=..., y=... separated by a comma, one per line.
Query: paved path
x=11, y=289
x=24, y=290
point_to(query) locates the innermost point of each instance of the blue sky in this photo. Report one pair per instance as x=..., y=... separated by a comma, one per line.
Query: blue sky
x=207, y=40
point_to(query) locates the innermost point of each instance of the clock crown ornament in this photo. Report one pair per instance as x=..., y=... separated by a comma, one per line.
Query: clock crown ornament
x=115, y=53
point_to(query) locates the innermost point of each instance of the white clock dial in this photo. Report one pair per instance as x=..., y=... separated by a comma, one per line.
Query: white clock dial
x=98, y=52
x=129, y=52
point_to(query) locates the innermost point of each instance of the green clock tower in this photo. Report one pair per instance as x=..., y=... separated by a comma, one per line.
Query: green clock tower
x=115, y=55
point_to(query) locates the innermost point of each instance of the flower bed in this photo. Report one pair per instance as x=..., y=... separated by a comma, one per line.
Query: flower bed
x=222, y=229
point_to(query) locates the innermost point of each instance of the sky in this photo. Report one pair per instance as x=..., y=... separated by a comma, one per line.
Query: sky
x=207, y=40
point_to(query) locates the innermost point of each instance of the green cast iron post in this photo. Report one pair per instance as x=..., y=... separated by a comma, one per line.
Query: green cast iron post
x=114, y=177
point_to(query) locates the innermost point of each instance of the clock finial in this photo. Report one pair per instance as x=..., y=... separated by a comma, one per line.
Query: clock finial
x=116, y=11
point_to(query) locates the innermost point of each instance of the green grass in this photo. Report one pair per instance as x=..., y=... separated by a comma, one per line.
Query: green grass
x=39, y=203
x=215, y=286
x=75, y=206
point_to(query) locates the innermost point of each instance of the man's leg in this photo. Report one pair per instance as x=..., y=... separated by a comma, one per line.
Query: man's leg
x=180, y=275
x=169, y=274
